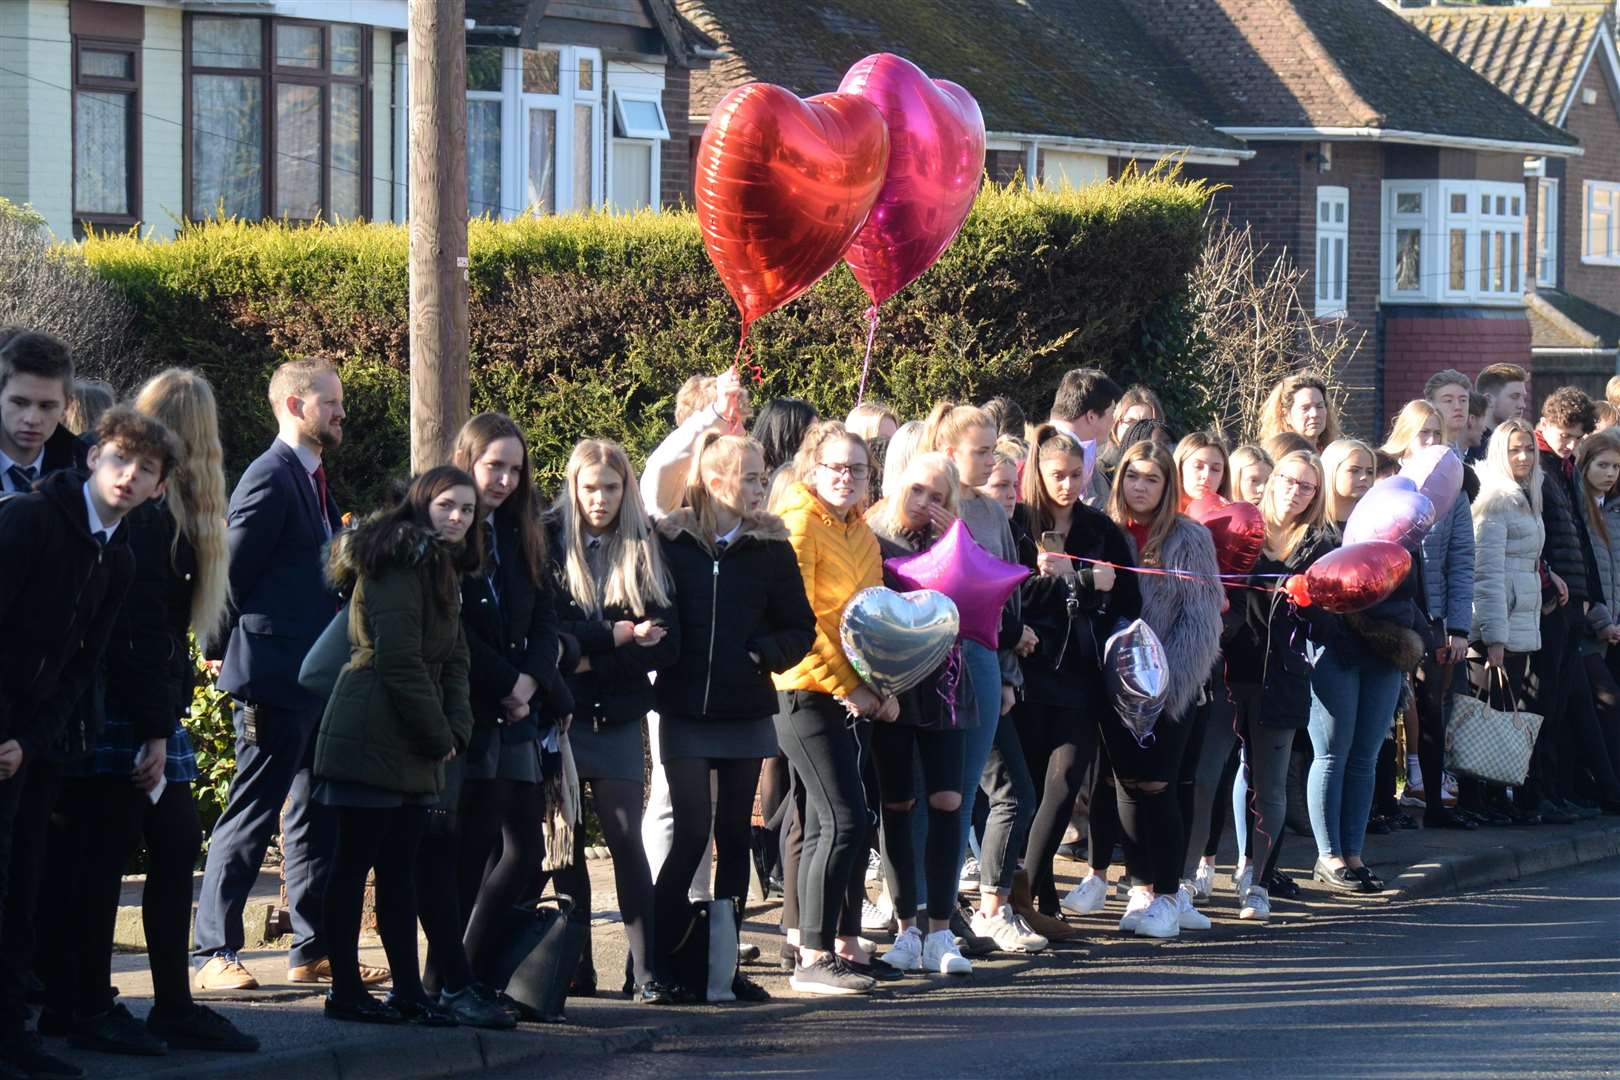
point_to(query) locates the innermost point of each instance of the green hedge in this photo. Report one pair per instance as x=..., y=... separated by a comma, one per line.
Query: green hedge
x=586, y=325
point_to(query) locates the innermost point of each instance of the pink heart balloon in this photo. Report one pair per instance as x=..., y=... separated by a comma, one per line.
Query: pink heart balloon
x=1437, y=472
x=975, y=580
x=936, y=162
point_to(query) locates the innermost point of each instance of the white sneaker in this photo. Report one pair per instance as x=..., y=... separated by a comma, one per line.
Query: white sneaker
x=968, y=880
x=1204, y=881
x=1159, y=919
x=939, y=953
x=1138, y=903
x=907, y=952
x=877, y=916
x=1189, y=917
x=1086, y=897
x=1008, y=931
x=1242, y=880
x=874, y=865
x=1256, y=905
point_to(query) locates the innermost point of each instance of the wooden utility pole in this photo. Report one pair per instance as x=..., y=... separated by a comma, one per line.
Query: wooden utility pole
x=440, y=395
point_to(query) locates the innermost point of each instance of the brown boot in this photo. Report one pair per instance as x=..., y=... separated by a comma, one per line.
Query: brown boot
x=1023, y=902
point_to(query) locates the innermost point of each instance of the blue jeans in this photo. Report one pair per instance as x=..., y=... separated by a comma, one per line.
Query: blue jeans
x=994, y=763
x=1357, y=706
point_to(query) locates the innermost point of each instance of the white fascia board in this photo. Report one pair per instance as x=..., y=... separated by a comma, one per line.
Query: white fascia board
x=1394, y=135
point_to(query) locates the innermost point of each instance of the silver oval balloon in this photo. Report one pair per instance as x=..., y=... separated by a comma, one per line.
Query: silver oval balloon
x=896, y=640
x=1138, y=677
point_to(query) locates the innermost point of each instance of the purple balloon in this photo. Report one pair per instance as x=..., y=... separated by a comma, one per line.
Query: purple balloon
x=1390, y=512
x=1437, y=472
x=1399, y=482
x=976, y=580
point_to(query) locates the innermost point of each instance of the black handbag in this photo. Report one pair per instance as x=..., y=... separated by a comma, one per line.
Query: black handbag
x=541, y=947
x=705, y=956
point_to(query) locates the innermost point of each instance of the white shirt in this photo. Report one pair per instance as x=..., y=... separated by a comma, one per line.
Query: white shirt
x=731, y=537
x=93, y=519
x=311, y=461
x=5, y=468
x=664, y=480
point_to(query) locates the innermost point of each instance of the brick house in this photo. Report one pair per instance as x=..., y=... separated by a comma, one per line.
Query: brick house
x=1060, y=106
x=153, y=112
x=1560, y=63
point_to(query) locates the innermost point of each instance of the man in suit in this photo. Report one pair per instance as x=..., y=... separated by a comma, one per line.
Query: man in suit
x=281, y=516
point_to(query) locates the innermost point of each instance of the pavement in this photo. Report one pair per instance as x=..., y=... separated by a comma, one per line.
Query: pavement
x=1420, y=866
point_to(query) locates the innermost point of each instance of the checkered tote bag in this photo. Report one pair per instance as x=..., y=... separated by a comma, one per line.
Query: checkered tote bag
x=1488, y=743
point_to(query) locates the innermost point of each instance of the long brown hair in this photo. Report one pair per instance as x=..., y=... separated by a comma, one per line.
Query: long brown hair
x=1049, y=442
x=375, y=544
x=1591, y=446
x=1195, y=441
x=524, y=503
x=635, y=573
x=1165, y=514
x=1274, y=412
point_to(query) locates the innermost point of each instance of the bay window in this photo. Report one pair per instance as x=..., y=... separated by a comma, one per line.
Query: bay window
x=276, y=119
x=1456, y=241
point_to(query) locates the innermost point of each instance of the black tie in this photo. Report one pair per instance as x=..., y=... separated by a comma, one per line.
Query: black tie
x=721, y=545
x=22, y=477
x=101, y=538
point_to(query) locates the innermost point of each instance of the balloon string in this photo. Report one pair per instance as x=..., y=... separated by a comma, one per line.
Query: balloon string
x=1234, y=581
x=866, y=364
x=949, y=679
x=742, y=361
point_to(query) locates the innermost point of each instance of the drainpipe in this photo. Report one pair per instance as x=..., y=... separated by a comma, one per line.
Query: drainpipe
x=1032, y=165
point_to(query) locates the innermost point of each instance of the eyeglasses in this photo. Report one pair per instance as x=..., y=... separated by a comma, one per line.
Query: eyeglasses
x=1290, y=484
x=848, y=472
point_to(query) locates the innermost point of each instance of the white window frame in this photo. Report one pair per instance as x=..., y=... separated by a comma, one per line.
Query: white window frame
x=1547, y=233
x=628, y=83
x=1332, y=269
x=1611, y=191
x=1491, y=217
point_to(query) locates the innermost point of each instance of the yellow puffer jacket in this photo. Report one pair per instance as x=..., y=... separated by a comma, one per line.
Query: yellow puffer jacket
x=837, y=560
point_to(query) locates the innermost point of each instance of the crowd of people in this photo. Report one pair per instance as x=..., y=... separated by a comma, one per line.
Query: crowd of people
x=414, y=685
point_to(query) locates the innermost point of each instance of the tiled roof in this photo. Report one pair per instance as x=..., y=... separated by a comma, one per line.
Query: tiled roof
x=1325, y=63
x=1559, y=320
x=1534, y=55
x=1037, y=67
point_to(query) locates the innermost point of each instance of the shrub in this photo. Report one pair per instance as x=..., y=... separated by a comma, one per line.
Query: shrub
x=587, y=324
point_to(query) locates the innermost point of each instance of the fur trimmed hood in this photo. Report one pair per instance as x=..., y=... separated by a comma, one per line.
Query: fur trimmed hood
x=408, y=545
x=1185, y=612
x=759, y=525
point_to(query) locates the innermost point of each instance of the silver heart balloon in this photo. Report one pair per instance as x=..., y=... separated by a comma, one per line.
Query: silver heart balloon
x=896, y=640
x=1138, y=676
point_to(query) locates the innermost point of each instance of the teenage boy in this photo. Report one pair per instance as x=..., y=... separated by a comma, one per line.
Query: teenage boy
x=1508, y=388
x=1084, y=407
x=280, y=518
x=36, y=382
x=67, y=569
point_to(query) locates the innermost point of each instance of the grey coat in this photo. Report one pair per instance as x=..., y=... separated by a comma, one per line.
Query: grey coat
x=1185, y=612
x=1508, y=538
x=1448, y=568
x=1607, y=554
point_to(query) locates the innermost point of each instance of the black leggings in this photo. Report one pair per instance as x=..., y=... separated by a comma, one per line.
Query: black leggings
x=384, y=839
x=1059, y=743
x=1150, y=822
x=732, y=813
x=503, y=847
x=438, y=902
x=894, y=746
x=99, y=820
x=618, y=811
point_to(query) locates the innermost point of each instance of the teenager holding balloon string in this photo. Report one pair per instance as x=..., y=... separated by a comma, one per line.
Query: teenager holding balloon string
x=1134, y=794
x=1073, y=602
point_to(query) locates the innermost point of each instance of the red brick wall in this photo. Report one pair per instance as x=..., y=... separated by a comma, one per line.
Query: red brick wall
x=1598, y=128
x=675, y=158
x=1419, y=341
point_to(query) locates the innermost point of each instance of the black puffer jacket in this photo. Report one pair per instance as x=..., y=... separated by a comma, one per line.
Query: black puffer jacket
x=1072, y=621
x=149, y=674
x=1265, y=636
x=1568, y=550
x=747, y=599
x=616, y=689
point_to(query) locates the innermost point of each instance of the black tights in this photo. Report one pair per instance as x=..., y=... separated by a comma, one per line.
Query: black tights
x=1137, y=796
x=438, y=902
x=504, y=845
x=1059, y=744
x=732, y=813
x=384, y=839
x=618, y=810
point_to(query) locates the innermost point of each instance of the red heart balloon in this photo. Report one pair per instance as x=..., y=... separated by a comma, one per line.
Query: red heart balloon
x=1356, y=577
x=1237, y=528
x=783, y=184
x=936, y=163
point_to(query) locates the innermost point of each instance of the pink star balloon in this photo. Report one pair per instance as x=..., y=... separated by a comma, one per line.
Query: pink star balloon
x=977, y=581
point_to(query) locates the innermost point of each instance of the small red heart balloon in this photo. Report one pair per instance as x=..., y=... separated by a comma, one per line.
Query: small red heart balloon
x=1237, y=528
x=936, y=163
x=1356, y=577
x=783, y=184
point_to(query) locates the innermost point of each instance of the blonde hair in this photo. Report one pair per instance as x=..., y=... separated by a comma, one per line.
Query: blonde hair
x=948, y=424
x=695, y=394
x=716, y=454
x=183, y=401
x=90, y=398
x=1049, y=442
x=295, y=378
x=885, y=516
x=904, y=445
x=1165, y=514
x=1283, y=537
x=1203, y=440
x=1496, y=466
x=1334, y=458
x=1408, y=424
x=1011, y=448
x=636, y=577
x=866, y=419
x=1274, y=412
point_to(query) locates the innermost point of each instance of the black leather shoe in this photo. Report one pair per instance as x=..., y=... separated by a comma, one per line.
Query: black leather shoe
x=1449, y=821
x=748, y=990
x=25, y=1055
x=653, y=992
x=1378, y=827
x=361, y=1010
x=1281, y=886
x=115, y=1032
x=202, y=1029
x=1339, y=879
x=1553, y=813
x=1373, y=882
x=421, y=1012
x=879, y=972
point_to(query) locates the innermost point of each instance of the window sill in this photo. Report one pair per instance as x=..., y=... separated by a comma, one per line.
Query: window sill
x=1587, y=260
x=1456, y=301
x=1333, y=313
